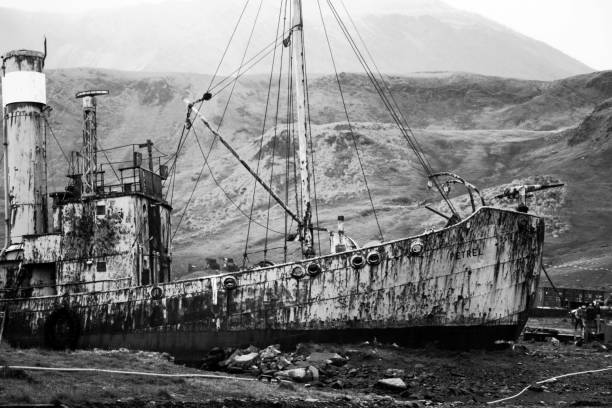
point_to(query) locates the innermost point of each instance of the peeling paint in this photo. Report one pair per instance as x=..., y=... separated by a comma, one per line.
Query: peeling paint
x=433, y=290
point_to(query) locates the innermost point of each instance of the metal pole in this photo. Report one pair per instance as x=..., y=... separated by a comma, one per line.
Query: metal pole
x=299, y=71
x=246, y=166
x=7, y=208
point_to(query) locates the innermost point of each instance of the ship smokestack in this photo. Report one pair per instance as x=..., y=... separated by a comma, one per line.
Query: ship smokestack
x=90, y=140
x=24, y=98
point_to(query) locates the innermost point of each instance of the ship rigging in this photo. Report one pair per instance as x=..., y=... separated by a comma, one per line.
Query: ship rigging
x=99, y=275
x=298, y=123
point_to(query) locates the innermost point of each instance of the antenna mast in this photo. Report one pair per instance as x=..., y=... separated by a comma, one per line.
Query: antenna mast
x=90, y=140
x=299, y=73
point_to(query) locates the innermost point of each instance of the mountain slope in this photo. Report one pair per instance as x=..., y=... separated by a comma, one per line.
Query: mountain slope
x=190, y=36
x=490, y=130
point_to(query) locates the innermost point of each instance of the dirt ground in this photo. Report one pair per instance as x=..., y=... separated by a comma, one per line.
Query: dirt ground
x=433, y=377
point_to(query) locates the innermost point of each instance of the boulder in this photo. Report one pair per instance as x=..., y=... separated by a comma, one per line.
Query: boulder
x=392, y=383
x=319, y=357
x=245, y=359
x=269, y=353
x=230, y=359
x=301, y=374
x=283, y=363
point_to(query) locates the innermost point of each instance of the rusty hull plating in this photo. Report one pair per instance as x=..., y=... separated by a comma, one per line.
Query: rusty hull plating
x=471, y=284
x=98, y=235
x=96, y=273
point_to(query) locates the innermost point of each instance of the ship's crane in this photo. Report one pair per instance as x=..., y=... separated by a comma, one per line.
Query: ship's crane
x=522, y=191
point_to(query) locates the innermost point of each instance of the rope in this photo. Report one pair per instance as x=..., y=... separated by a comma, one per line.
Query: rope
x=195, y=185
x=56, y=140
x=229, y=98
x=551, y=282
x=228, y=43
x=263, y=131
x=393, y=110
x=141, y=373
x=312, y=154
x=550, y=380
x=109, y=163
x=212, y=175
x=278, y=97
x=365, y=180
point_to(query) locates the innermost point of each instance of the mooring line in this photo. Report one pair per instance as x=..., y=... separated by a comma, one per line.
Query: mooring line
x=550, y=380
x=148, y=374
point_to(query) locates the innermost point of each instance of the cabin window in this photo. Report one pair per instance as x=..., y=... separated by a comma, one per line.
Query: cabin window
x=101, y=266
x=100, y=209
x=144, y=279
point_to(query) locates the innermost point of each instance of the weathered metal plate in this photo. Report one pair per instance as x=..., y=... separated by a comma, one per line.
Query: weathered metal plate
x=477, y=278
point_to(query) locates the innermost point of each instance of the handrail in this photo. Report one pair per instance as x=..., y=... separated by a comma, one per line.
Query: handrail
x=66, y=284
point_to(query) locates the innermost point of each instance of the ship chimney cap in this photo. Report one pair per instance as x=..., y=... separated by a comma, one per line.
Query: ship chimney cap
x=341, y=218
x=23, y=53
x=92, y=92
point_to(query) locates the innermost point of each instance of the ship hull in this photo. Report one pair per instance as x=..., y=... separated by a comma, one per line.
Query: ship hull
x=469, y=285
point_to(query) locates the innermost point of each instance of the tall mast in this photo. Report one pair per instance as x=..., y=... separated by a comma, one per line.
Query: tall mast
x=299, y=73
x=90, y=140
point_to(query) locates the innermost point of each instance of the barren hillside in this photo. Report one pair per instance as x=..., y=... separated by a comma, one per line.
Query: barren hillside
x=491, y=130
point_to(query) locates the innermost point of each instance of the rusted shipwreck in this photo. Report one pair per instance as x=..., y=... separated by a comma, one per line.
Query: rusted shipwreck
x=96, y=270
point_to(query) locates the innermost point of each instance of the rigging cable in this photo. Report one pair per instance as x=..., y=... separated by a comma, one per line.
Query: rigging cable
x=228, y=44
x=184, y=138
x=365, y=180
x=396, y=104
x=195, y=185
x=206, y=164
x=250, y=63
x=229, y=98
x=228, y=196
x=263, y=130
x=390, y=108
x=184, y=135
x=56, y=140
x=109, y=162
x=275, y=137
x=310, y=145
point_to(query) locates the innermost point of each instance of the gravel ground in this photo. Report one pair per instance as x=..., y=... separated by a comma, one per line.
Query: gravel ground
x=432, y=377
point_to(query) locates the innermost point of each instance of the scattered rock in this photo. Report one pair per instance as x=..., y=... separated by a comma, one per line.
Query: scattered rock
x=519, y=348
x=301, y=374
x=599, y=347
x=394, y=372
x=245, y=359
x=392, y=383
x=314, y=373
x=326, y=358
x=269, y=352
x=555, y=341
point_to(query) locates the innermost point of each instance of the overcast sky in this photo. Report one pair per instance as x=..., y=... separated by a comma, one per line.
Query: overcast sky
x=579, y=28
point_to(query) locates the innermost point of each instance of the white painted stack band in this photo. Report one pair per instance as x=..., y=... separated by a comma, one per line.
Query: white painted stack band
x=24, y=86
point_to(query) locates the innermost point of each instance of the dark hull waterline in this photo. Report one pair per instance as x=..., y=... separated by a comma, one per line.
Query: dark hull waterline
x=470, y=285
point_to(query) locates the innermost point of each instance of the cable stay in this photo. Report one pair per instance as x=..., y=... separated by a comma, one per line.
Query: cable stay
x=299, y=140
x=365, y=180
x=246, y=166
x=383, y=90
x=261, y=139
